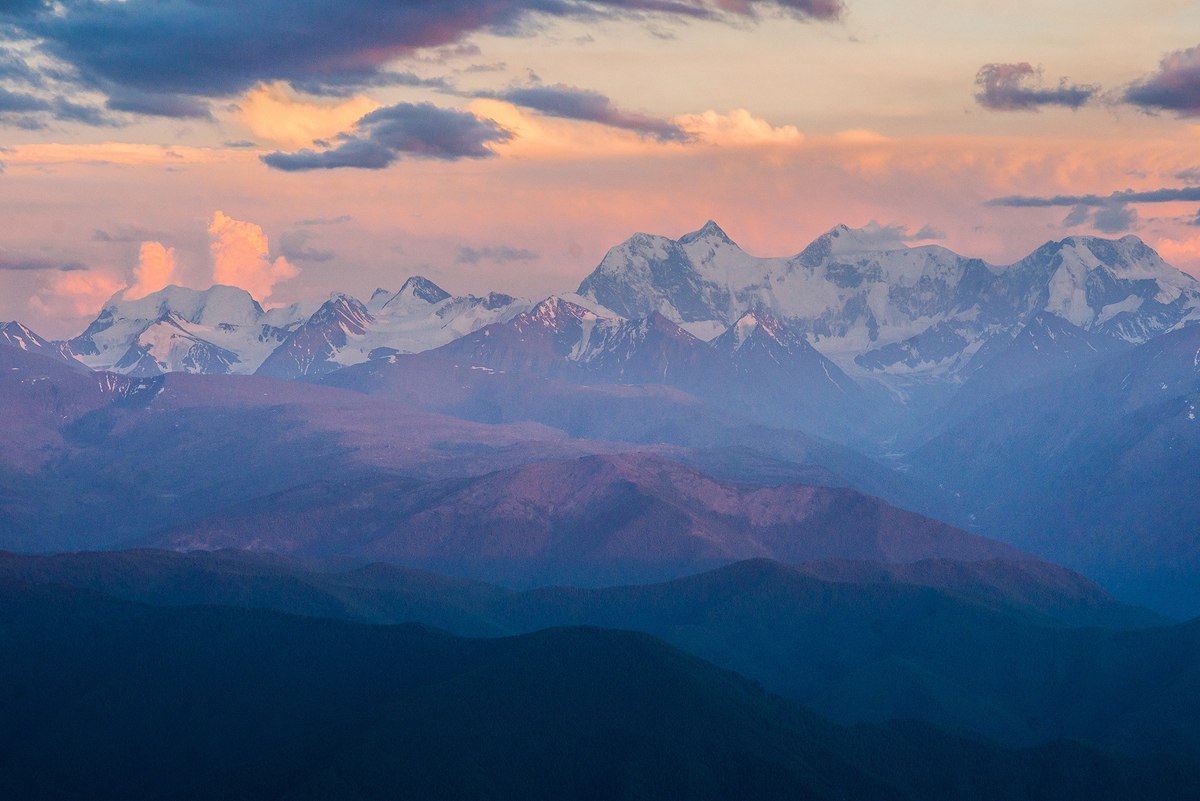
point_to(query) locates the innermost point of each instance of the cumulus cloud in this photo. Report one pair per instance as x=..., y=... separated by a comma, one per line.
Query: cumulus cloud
x=1018, y=87
x=738, y=128
x=241, y=257
x=1175, y=87
x=420, y=130
x=573, y=103
x=501, y=254
x=155, y=270
x=165, y=57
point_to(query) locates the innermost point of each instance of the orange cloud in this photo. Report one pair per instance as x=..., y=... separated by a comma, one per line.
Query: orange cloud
x=75, y=294
x=155, y=270
x=738, y=128
x=1182, y=253
x=273, y=113
x=241, y=257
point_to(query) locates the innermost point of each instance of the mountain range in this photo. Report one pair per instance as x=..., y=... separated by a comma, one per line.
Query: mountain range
x=1047, y=404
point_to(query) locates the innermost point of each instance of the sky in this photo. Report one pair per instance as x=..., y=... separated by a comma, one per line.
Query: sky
x=298, y=147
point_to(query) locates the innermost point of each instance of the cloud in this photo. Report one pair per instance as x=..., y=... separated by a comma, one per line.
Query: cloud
x=241, y=257
x=738, y=128
x=75, y=294
x=126, y=234
x=155, y=270
x=1175, y=87
x=1180, y=252
x=294, y=247
x=338, y=220
x=21, y=102
x=139, y=53
x=500, y=254
x=406, y=129
x=1016, y=87
x=573, y=103
x=1116, y=218
x=19, y=263
x=157, y=104
x=274, y=113
x=1170, y=195
x=1189, y=176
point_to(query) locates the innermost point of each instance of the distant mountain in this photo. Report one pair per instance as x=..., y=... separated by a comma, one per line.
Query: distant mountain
x=892, y=310
x=1092, y=470
x=15, y=335
x=216, y=331
x=593, y=520
x=723, y=441
x=101, y=460
x=760, y=369
x=990, y=646
x=345, y=331
x=193, y=703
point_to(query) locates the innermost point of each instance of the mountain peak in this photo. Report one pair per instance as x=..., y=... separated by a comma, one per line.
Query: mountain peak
x=710, y=231
x=418, y=286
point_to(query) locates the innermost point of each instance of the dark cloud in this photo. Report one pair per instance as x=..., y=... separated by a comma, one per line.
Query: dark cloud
x=1189, y=176
x=1170, y=195
x=19, y=263
x=501, y=254
x=927, y=232
x=583, y=104
x=406, y=129
x=1195, y=220
x=1017, y=87
x=1115, y=218
x=88, y=115
x=349, y=83
x=157, y=104
x=142, y=53
x=338, y=220
x=240, y=144
x=20, y=102
x=128, y=234
x=293, y=246
x=1175, y=87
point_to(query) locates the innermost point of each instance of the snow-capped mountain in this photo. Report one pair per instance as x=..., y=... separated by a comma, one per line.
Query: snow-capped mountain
x=901, y=311
x=345, y=331
x=218, y=330
x=759, y=368
x=15, y=335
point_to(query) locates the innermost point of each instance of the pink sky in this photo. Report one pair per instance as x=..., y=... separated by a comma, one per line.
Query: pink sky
x=792, y=126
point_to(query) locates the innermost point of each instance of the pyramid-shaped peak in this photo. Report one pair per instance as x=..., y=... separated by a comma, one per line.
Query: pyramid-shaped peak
x=555, y=308
x=419, y=286
x=710, y=232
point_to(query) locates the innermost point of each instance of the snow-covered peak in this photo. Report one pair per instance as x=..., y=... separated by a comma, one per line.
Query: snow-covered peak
x=379, y=299
x=16, y=335
x=418, y=288
x=843, y=241
x=342, y=309
x=216, y=305
x=710, y=232
x=554, y=314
